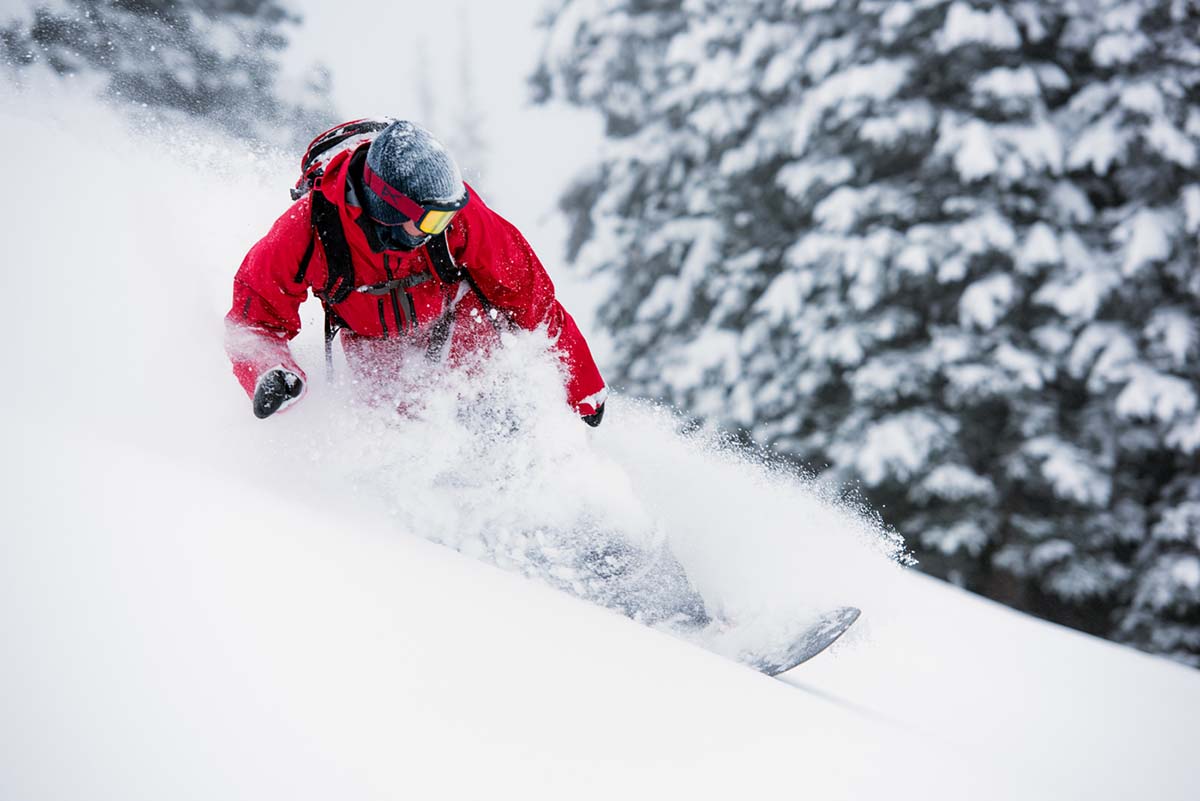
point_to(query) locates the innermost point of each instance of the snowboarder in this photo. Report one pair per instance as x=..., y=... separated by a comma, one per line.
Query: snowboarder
x=401, y=252
x=407, y=259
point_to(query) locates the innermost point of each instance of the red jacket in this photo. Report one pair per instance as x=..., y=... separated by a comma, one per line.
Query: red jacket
x=270, y=286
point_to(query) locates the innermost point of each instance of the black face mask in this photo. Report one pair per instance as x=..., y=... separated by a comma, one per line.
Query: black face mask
x=394, y=237
x=382, y=238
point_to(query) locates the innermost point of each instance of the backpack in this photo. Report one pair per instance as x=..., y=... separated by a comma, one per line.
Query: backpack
x=327, y=145
x=327, y=224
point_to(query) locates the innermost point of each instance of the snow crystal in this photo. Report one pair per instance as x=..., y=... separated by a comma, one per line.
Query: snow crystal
x=1147, y=239
x=966, y=26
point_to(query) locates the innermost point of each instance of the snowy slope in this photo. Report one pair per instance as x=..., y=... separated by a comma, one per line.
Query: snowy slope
x=197, y=604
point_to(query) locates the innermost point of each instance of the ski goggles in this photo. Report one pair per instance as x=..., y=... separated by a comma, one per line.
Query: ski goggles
x=430, y=219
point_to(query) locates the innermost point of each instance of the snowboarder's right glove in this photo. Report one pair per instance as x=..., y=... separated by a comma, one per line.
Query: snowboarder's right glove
x=276, y=390
x=594, y=419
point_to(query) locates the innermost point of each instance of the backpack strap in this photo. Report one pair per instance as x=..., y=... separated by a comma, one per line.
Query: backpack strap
x=339, y=282
x=443, y=262
x=333, y=324
x=339, y=265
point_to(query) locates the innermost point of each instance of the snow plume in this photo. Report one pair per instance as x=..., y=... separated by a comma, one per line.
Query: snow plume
x=127, y=305
x=674, y=527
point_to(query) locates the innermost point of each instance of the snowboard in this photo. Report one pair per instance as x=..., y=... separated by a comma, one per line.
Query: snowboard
x=811, y=641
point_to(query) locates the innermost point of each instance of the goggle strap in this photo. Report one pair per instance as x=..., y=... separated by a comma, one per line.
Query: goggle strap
x=392, y=196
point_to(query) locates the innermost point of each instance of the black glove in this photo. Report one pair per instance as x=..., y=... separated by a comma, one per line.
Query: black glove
x=275, y=390
x=595, y=417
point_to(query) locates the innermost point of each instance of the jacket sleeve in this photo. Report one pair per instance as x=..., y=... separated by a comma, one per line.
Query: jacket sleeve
x=511, y=277
x=267, y=292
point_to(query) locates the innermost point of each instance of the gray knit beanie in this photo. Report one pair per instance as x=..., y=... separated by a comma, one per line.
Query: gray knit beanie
x=409, y=158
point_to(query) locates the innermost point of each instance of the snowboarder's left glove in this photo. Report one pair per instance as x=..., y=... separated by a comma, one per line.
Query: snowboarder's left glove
x=276, y=389
x=595, y=417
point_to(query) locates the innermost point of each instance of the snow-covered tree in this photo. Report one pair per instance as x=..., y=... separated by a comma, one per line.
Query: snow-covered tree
x=948, y=249
x=212, y=59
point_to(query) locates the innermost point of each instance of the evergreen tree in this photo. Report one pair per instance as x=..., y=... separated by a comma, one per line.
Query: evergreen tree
x=212, y=59
x=947, y=249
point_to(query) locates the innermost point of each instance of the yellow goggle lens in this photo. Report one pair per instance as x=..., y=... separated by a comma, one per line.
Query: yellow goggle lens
x=434, y=221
